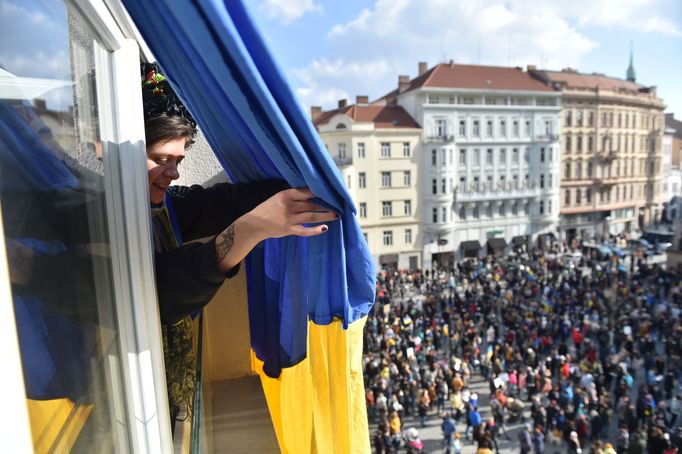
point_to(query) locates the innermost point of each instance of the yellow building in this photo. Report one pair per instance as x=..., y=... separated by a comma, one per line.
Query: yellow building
x=375, y=148
x=611, y=151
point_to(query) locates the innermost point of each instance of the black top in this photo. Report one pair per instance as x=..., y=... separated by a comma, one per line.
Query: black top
x=188, y=277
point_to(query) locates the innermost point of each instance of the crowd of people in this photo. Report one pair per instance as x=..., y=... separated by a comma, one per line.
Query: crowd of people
x=579, y=355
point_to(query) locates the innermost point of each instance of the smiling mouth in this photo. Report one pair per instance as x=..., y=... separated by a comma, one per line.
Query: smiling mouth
x=159, y=187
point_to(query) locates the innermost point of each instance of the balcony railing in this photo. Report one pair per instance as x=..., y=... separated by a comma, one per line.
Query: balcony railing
x=343, y=161
x=608, y=155
x=602, y=182
x=440, y=138
x=547, y=137
x=482, y=194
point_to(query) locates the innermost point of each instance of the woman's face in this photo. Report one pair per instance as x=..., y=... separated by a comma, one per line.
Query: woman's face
x=163, y=160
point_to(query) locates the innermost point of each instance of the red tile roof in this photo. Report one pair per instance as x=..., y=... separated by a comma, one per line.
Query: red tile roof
x=382, y=116
x=450, y=75
x=574, y=79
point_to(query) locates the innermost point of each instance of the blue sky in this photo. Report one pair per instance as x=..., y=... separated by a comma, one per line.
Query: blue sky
x=331, y=50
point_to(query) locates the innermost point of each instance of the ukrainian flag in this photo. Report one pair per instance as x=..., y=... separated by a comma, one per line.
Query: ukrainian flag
x=308, y=297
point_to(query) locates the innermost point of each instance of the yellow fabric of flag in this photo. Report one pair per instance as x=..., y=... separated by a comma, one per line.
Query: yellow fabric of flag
x=318, y=406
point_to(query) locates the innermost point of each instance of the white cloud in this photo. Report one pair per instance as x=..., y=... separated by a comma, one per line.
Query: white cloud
x=389, y=39
x=327, y=81
x=23, y=51
x=287, y=11
x=640, y=15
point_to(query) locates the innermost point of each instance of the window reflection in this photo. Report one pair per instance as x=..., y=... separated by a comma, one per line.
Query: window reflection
x=51, y=190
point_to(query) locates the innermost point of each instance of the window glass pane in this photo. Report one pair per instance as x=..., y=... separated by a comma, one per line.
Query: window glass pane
x=52, y=194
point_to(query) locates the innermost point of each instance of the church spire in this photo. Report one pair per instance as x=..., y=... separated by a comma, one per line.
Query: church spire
x=631, y=76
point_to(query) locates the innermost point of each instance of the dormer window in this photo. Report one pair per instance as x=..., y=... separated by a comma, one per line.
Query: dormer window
x=341, y=126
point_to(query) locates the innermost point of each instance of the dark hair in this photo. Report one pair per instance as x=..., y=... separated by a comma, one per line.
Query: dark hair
x=165, y=116
x=164, y=128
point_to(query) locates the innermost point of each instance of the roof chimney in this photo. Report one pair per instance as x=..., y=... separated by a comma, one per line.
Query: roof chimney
x=342, y=103
x=530, y=68
x=361, y=99
x=403, y=83
x=315, y=112
x=422, y=67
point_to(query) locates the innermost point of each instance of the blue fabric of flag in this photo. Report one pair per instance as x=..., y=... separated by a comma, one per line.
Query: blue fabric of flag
x=27, y=162
x=221, y=68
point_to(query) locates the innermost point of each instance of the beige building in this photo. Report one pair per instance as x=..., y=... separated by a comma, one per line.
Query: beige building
x=376, y=150
x=676, y=125
x=611, y=151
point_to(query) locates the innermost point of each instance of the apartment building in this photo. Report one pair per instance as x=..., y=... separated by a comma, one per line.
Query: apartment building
x=490, y=157
x=611, y=153
x=377, y=149
x=672, y=175
x=676, y=125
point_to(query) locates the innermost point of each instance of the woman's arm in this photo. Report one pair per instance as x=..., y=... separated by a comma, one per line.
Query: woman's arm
x=281, y=215
x=203, y=212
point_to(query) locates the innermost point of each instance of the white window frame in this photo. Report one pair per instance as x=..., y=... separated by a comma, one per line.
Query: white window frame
x=407, y=178
x=14, y=419
x=361, y=150
x=385, y=179
x=386, y=208
x=385, y=149
x=142, y=418
x=124, y=157
x=341, y=149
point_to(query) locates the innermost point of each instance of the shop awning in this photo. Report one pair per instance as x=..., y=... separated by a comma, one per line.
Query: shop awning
x=388, y=258
x=545, y=238
x=496, y=244
x=519, y=240
x=468, y=246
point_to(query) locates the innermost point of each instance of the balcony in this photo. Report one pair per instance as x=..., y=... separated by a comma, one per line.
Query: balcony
x=482, y=194
x=439, y=138
x=547, y=137
x=604, y=182
x=343, y=161
x=608, y=155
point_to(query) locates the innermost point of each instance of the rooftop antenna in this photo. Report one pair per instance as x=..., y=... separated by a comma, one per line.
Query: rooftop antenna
x=479, y=51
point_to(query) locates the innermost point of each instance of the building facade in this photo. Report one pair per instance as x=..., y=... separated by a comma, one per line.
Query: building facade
x=676, y=126
x=490, y=157
x=672, y=175
x=377, y=151
x=612, y=132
